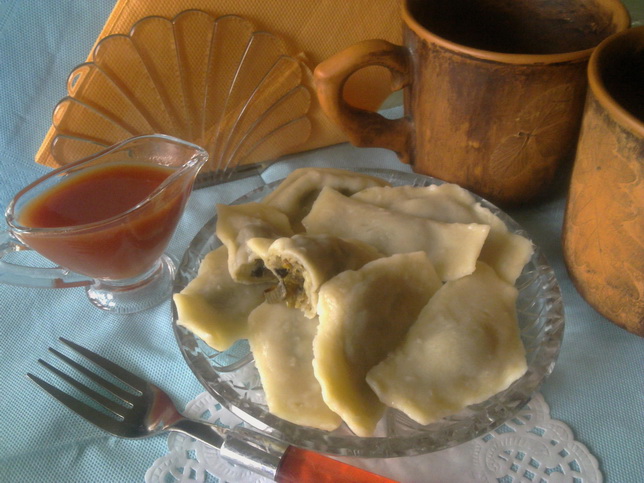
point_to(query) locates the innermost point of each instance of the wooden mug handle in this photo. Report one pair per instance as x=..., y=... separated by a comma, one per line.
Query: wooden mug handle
x=366, y=128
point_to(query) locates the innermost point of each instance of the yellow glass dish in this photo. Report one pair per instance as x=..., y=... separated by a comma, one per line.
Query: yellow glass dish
x=215, y=82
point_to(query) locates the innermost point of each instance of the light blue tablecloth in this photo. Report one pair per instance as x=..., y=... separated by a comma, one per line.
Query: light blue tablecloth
x=597, y=387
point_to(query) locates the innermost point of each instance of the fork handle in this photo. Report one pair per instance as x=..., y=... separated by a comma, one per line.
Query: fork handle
x=270, y=457
x=300, y=465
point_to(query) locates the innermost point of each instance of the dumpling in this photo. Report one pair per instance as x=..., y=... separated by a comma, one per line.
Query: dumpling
x=363, y=315
x=214, y=306
x=295, y=195
x=282, y=343
x=236, y=224
x=447, y=202
x=507, y=253
x=464, y=348
x=304, y=262
x=453, y=248
x=504, y=251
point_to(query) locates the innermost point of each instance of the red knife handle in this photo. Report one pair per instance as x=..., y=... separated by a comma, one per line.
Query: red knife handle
x=301, y=466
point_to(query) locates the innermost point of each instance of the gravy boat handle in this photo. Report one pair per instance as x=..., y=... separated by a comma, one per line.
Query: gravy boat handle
x=30, y=276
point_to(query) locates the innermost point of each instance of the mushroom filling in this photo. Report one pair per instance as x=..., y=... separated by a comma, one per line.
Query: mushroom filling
x=290, y=288
x=259, y=269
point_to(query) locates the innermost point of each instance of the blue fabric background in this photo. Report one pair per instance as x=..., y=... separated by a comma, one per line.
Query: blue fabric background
x=596, y=388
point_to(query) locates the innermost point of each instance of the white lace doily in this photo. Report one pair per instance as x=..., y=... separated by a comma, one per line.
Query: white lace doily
x=530, y=447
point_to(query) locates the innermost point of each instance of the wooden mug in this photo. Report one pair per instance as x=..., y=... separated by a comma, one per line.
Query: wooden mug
x=603, y=237
x=494, y=89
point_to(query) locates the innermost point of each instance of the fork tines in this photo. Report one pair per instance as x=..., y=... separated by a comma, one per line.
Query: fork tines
x=116, y=411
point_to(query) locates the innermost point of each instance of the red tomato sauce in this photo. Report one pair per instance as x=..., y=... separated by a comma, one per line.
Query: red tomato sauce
x=109, y=248
x=94, y=195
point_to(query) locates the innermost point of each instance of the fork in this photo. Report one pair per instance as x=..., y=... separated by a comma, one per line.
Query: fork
x=144, y=410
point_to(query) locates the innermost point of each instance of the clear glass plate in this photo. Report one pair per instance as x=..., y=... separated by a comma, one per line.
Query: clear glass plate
x=231, y=376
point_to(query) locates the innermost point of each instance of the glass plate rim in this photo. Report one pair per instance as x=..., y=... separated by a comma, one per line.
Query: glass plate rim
x=449, y=431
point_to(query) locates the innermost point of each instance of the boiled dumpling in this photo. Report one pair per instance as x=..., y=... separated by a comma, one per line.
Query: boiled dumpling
x=447, y=202
x=236, y=224
x=281, y=339
x=453, y=248
x=295, y=195
x=464, y=348
x=302, y=263
x=214, y=306
x=363, y=315
x=504, y=251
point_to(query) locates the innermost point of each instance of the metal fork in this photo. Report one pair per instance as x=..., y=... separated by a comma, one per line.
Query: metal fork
x=144, y=410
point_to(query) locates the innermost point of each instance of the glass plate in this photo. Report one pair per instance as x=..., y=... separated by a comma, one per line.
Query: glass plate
x=231, y=376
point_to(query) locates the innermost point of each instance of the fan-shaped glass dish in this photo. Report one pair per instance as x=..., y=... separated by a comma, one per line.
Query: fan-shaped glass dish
x=216, y=82
x=231, y=376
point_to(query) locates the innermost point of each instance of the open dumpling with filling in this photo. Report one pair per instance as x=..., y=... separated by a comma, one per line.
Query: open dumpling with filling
x=236, y=224
x=214, y=306
x=464, y=348
x=505, y=252
x=302, y=263
x=295, y=195
x=453, y=248
x=363, y=315
x=281, y=339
